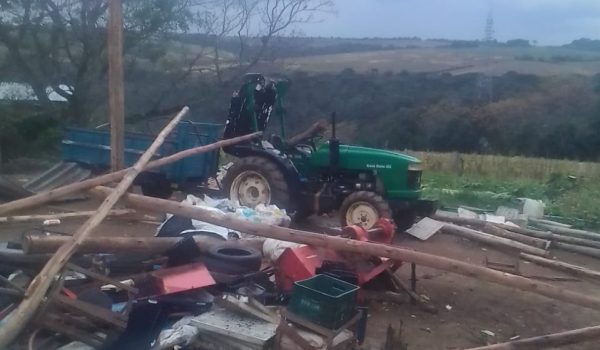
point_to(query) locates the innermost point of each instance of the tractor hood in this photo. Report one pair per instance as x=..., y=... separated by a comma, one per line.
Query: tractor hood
x=379, y=154
x=399, y=173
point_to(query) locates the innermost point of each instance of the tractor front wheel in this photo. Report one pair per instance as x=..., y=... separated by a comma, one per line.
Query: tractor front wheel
x=364, y=208
x=256, y=180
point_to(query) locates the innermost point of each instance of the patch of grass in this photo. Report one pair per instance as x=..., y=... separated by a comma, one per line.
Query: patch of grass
x=574, y=200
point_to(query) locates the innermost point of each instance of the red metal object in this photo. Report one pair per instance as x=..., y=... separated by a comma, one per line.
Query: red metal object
x=382, y=232
x=182, y=278
x=296, y=264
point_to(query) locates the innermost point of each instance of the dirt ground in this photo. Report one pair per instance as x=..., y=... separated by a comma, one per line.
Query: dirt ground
x=466, y=306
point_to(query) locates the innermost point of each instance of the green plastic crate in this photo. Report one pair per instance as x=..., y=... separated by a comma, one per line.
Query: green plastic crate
x=324, y=300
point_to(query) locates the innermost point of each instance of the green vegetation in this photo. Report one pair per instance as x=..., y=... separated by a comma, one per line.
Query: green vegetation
x=574, y=200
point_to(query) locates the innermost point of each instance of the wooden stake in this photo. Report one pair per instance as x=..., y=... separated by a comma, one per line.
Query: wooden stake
x=548, y=341
x=493, y=240
x=575, y=270
x=39, y=286
x=74, y=215
x=353, y=246
x=116, y=91
x=46, y=197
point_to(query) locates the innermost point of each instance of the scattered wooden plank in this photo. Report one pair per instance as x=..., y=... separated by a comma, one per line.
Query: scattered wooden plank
x=57, y=193
x=359, y=247
x=60, y=216
x=42, y=282
x=547, y=341
x=37, y=244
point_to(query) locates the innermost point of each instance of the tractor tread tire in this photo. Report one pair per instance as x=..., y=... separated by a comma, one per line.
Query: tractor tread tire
x=380, y=204
x=280, y=195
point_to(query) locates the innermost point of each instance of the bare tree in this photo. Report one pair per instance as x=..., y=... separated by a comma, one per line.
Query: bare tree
x=60, y=44
x=254, y=24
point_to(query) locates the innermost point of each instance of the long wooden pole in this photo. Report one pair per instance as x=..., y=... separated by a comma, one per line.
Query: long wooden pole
x=39, y=286
x=549, y=340
x=353, y=246
x=74, y=215
x=547, y=235
x=500, y=232
x=46, y=197
x=116, y=91
x=493, y=240
x=579, y=271
x=572, y=232
x=593, y=252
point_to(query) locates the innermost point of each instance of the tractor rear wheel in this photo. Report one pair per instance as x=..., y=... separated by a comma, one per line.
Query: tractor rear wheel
x=364, y=208
x=256, y=180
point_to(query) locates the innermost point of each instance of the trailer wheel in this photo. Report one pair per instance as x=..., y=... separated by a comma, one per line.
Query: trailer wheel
x=364, y=208
x=256, y=180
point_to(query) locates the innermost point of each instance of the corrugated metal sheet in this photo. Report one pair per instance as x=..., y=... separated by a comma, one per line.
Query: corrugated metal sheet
x=61, y=174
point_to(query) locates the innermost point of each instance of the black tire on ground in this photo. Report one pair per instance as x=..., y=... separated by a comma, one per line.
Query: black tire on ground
x=380, y=205
x=269, y=170
x=232, y=259
x=157, y=188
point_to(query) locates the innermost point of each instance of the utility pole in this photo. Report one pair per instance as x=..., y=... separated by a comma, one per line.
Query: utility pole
x=485, y=82
x=116, y=93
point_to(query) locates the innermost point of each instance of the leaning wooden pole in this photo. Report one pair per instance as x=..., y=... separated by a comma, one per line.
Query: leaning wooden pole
x=548, y=341
x=354, y=246
x=42, y=282
x=46, y=197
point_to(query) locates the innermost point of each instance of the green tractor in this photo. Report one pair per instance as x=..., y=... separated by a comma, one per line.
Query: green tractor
x=363, y=184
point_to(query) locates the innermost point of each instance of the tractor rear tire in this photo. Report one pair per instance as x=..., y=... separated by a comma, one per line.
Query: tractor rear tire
x=254, y=180
x=364, y=208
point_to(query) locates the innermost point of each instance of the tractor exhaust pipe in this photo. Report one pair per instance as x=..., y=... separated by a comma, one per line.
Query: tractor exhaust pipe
x=334, y=146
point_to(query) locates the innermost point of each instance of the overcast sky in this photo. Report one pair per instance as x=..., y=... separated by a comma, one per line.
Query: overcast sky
x=547, y=21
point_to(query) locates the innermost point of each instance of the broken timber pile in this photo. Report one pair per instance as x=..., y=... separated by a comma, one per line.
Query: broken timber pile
x=575, y=244
x=42, y=282
x=353, y=246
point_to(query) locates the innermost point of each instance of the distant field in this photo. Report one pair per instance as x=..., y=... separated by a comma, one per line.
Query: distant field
x=456, y=61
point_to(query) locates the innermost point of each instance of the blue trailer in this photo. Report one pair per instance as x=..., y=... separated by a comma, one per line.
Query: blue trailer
x=91, y=150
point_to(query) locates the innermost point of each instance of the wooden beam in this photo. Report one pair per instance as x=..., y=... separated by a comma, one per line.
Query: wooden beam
x=549, y=340
x=116, y=90
x=74, y=215
x=353, y=246
x=562, y=266
x=42, y=282
x=46, y=197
